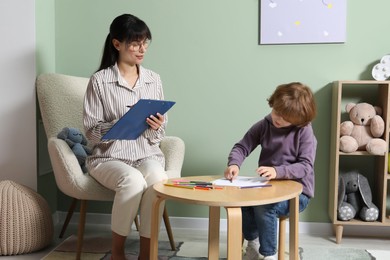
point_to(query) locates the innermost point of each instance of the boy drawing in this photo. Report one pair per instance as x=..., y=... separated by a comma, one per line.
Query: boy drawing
x=288, y=149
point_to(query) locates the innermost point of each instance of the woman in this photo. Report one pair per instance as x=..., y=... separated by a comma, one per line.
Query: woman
x=128, y=167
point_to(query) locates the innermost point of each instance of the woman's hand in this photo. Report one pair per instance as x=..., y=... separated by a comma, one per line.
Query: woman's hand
x=231, y=172
x=265, y=171
x=155, y=122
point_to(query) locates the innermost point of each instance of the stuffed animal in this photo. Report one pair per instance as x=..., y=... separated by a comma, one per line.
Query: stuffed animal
x=355, y=198
x=364, y=130
x=78, y=143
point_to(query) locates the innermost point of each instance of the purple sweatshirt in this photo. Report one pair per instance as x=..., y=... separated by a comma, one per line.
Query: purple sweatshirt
x=290, y=150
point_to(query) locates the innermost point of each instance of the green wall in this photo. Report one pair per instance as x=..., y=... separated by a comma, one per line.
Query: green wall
x=45, y=35
x=45, y=62
x=208, y=56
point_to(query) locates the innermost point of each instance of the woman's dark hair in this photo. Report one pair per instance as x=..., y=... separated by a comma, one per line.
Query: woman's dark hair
x=125, y=27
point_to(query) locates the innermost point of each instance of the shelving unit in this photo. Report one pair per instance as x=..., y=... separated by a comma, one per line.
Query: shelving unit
x=374, y=167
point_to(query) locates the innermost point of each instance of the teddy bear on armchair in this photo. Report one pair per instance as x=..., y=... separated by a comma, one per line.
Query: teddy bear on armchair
x=364, y=130
x=78, y=143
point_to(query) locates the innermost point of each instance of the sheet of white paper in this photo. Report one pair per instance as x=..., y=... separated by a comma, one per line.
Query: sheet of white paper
x=242, y=181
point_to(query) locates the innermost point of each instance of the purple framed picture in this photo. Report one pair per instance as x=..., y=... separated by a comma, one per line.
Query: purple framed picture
x=302, y=21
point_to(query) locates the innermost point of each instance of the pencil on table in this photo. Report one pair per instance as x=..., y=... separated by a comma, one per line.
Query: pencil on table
x=179, y=186
x=202, y=188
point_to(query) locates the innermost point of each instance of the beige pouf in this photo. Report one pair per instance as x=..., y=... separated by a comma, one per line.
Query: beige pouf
x=26, y=224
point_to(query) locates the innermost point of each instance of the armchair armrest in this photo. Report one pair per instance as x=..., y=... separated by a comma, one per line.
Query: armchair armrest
x=174, y=149
x=70, y=178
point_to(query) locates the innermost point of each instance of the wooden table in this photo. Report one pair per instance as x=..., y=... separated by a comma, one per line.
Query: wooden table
x=232, y=199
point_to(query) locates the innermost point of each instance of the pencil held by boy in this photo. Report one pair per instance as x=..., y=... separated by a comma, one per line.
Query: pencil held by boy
x=288, y=149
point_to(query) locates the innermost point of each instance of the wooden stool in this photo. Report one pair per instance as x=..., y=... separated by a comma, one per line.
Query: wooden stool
x=282, y=237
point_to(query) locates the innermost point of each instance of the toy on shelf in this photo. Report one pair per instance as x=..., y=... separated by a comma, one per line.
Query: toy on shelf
x=355, y=198
x=364, y=129
x=381, y=71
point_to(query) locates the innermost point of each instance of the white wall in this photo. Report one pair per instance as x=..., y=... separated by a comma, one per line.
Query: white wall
x=17, y=100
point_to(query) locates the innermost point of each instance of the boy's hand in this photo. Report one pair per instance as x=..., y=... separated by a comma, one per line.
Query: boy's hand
x=231, y=172
x=265, y=171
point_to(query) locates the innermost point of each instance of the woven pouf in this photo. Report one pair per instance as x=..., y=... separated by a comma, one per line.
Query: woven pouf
x=26, y=224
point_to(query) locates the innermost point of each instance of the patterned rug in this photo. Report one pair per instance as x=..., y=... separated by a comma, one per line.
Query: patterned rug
x=96, y=248
x=331, y=253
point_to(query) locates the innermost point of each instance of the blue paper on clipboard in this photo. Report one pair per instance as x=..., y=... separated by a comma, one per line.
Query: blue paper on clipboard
x=132, y=124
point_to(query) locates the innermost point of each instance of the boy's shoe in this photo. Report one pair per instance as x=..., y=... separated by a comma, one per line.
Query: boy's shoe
x=252, y=250
x=270, y=257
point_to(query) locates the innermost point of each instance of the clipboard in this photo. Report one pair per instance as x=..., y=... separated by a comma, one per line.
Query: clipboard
x=132, y=124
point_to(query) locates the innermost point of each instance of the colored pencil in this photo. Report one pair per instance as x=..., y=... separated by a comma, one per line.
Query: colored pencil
x=179, y=186
x=202, y=188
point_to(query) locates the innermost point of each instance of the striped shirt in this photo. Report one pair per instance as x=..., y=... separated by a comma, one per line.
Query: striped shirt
x=105, y=101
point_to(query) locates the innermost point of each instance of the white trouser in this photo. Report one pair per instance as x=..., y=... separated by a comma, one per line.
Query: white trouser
x=133, y=192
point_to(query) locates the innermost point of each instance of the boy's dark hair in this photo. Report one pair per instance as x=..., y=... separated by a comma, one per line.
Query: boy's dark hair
x=294, y=102
x=125, y=27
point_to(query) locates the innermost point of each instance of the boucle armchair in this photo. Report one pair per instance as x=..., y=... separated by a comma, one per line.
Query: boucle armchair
x=60, y=100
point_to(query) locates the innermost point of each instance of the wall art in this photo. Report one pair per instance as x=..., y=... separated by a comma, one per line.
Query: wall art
x=302, y=21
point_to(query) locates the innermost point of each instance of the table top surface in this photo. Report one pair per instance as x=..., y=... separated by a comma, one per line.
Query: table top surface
x=279, y=190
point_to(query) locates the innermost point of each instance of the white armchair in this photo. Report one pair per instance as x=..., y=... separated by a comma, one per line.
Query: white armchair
x=60, y=99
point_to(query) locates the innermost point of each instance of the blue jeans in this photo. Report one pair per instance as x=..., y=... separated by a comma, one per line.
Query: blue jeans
x=261, y=221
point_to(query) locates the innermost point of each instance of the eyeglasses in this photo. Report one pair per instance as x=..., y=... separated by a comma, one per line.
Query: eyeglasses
x=135, y=46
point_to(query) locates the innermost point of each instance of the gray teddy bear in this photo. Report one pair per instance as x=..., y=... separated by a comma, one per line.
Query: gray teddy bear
x=78, y=143
x=355, y=198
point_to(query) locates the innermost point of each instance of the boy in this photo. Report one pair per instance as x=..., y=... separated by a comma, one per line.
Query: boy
x=288, y=148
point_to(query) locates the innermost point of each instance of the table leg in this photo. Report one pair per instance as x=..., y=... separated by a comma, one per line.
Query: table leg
x=294, y=219
x=214, y=220
x=155, y=228
x=234, y=227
